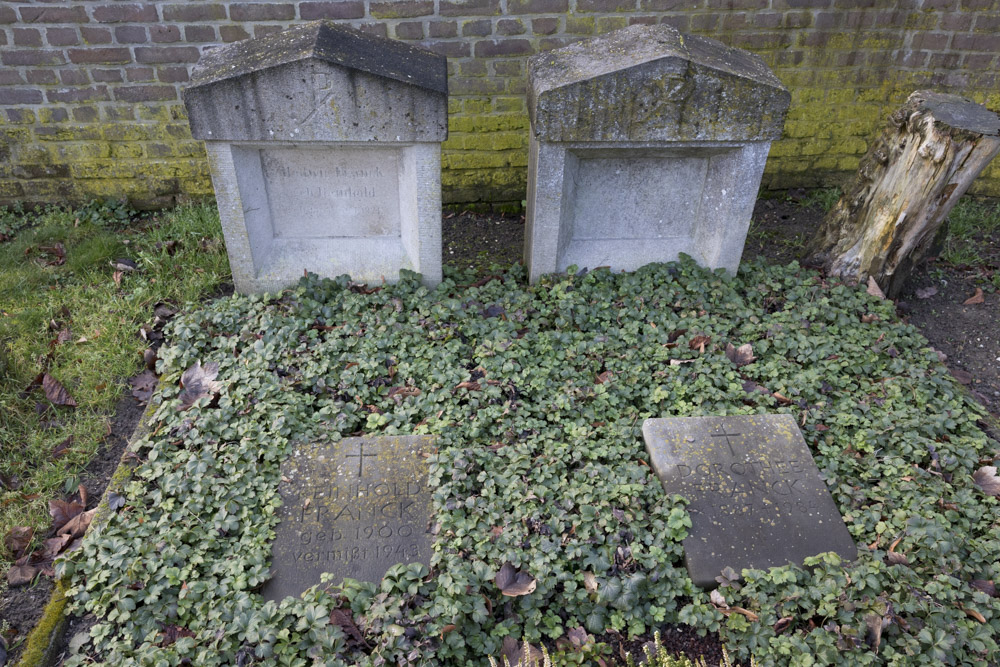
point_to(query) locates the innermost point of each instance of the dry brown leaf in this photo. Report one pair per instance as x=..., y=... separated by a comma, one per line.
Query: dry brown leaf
x=18, y=539
x=513, y=583
x=117, y=277
x=199, y=382
x=678, y=362
x=55, y=392
x=975, y=299
x=470, y=386
x=403, y=392
x=590, y=582
x=963, y=377
x=874, y=289
x=520, y=655
x=343, y=618
x=20, y=575
x=55, y=545
x=79, y=524
x=986, y=479
x=62, y=448
x=783, y=400
x=742, y=355
x=972, y=613
x=699, y=342
x=62, y=512
x=718, y=599
x=605, y=377
x=896, y=558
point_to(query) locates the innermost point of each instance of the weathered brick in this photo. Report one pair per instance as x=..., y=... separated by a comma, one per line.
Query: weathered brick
x=643, y=20
x=537, y=6
x=145, y=93
x=704, y=22
x=349, y=9
x=479, y=85
x=19, y=116
x=131, y=34
x=768, y=19
x=115, y=114
x=191, y=12
x=42, y=14
x=934, y=41
x=509, y=67
x=667, y=5
x=254, y=11
x=27, y=37
x=91, y=94
x=478, y=28
x=549, y=43
x=377, y=29
x=74, y=77
x=167, y=54
x=956, y=22
x=580, y=25
x=103, y=55
x=233, y=33
x=794, y=20
x=107, y=75
x=10, y=77
x=609, y=23
x=42, y=77
x=410, y=30
x=976, y=42
x=545, y=26
x=134, y=74
x=469, y=8
x=401, y=9
x=95, y=35
x=199, y=33
x=803, y=4
x=125, y=13
x=52, y=115
x=488, y=48
x=510, y=27
x=605, y=5
x=450, y=49
x=164, y=34
x=173, y=74
x=62, y=36
x=987, y=23
x=265, y=30
x=7, y=15
x=442, y=28
x=472, y=68
x=682, y=23
x=32, y=57
x=979, y=61
x=20, y=96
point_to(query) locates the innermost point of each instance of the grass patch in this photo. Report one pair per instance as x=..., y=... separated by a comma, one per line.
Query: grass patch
x=62, y=313
x=972, y=224
x=822, y=198
x=542, y=465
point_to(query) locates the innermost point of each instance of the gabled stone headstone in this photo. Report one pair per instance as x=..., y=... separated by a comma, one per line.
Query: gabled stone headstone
x=757, y=499
x=645, y=144
x=325, y=150
x=352, y=507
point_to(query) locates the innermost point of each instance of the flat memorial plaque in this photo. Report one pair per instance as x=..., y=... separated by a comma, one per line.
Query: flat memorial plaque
x=354, y=508
x=757, y=499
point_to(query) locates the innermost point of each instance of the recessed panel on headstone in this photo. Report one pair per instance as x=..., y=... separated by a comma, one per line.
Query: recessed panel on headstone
x=353, y=508
x=348, y=193
x=757, y=499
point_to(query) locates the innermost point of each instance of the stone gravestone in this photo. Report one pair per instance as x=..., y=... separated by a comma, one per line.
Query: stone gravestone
x=757, y=499
x=353, y=508
x=646, y=143
x=324, y=145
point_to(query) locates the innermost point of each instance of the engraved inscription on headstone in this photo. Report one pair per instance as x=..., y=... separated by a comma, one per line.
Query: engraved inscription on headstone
x=757, y=499
x=353, y=508
x=352, y=192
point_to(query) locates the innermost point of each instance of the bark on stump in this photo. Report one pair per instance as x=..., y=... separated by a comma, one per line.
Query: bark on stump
x=925, y=159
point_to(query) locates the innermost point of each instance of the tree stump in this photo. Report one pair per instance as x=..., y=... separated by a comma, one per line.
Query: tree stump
x=913, y=174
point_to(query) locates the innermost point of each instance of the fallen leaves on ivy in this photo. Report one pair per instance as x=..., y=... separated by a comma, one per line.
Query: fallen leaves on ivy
x=343, y=619
x=986, y=479
x=742, y=355
x=199, y=382
x=513, y=583
x=874, y=289
x=18, y=539
x=143, y=386
x=520, y=654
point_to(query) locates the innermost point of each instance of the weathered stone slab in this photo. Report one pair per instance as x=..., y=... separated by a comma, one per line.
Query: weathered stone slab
x=353, y=508
x=325, y=150
x=645, y=144
x=757, y=499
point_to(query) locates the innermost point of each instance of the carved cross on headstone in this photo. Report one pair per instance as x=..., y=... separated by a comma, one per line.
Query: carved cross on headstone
x=361, y=457
x=727, y=436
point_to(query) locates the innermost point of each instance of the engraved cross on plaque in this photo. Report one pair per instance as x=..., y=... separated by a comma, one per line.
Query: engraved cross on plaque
x=727, y=436
x=361, y=457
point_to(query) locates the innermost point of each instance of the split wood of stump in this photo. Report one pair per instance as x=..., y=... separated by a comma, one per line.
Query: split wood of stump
x=925, y=159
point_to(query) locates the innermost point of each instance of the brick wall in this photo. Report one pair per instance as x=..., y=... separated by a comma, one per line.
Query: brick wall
x=90, y=90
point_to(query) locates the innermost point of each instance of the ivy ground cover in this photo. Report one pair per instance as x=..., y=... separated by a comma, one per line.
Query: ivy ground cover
x=538, y=394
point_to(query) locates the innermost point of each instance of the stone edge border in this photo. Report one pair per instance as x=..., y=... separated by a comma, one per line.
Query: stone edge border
x=45, y=637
